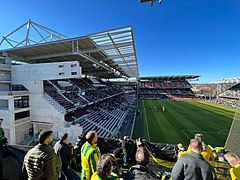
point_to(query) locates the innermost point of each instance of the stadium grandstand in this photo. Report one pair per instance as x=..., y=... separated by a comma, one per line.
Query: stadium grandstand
x=228, y=94
x=229, y=88
x=166, y=87
x=60, y=83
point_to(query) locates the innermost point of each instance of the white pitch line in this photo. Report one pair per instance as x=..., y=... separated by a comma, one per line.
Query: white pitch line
x=146, y=121
x=185, y=134
x=206, y=132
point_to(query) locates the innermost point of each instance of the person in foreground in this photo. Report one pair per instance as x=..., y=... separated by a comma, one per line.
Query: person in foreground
x=192, y=165
x=141, y=171
x=89, y=155
x=41, y=162
x=63, y=150
x=104, y=169
x=3, y=142
x=234, y=161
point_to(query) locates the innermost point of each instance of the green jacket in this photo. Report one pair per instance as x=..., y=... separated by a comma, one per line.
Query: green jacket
x=41, y=162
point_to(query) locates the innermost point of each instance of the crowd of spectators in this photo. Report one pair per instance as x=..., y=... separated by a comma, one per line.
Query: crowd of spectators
x=165, y=90
x=229, y=102
x=166, y=84
x=44, y=161
x=80, y=92
x=166, y=93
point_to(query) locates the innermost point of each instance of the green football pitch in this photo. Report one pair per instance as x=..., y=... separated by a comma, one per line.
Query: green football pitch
x=181, y=120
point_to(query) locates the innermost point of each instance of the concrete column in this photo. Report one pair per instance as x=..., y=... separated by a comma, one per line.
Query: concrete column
x=12, y=139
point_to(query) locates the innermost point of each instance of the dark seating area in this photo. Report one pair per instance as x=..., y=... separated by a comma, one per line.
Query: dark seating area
x=75, y=114
x=77, y=96
x=165, y=84
x=57, y=96
x=81, y=83
x=165, y=89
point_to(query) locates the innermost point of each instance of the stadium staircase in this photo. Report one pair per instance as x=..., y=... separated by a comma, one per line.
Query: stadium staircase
x=54, y=103
x=50, y=89
x=59, y=89
x=107, y=118
x=103, y=105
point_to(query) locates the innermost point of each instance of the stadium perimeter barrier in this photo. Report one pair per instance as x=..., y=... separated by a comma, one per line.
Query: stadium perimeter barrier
x=221, y=168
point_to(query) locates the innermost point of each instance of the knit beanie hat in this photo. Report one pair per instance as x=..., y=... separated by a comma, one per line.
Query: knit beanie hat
x=44, y=135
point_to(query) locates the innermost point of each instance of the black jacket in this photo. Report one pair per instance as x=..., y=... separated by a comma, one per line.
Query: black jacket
x=139, y=172
x=64, y=152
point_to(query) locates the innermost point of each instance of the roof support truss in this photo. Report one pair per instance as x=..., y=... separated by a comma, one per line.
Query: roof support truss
x=44, y=35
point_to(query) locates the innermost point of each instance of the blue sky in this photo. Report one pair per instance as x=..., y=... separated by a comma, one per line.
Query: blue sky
x=177, y=37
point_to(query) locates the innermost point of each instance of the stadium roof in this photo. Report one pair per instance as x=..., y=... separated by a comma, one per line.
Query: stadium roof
x=229, y=80
x=180, y=77
x=106, y=54
x=235, y=87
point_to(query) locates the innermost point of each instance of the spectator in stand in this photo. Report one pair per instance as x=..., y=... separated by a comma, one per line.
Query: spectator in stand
x=104, y=169
x=89, y=155
x=206, y=150
x=77, y=150
x=41, y=162
x=181, y=150
x=3, y=142
x=63, y=150
x=234, y=161
x=81, y=139
x=125, y=147
x=115, y=167
x=141, y=171
x=192, y=165
x=72, y=149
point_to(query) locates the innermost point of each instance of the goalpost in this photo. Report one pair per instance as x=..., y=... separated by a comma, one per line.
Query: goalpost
x=233, y=139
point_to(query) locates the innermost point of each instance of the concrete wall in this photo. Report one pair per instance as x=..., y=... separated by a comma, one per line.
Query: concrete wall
x=34, y=87
x=12, y=139
x=5, y=75
x=22, y=130
x=41, y=110
x=45, y=71
x=3, y=103
x=73, y=132
x=5, y=115
x=4, y=87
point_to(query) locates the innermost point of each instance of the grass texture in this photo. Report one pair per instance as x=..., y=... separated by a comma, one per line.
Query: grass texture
x=181, y=120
